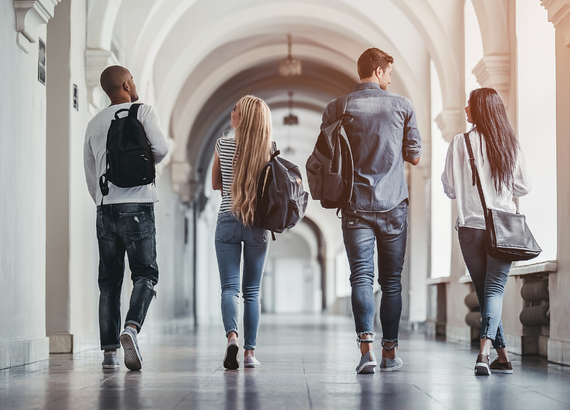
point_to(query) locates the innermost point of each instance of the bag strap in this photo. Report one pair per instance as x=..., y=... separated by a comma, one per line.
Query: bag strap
x=475, y=173
x=133, y=110
x=341, y=103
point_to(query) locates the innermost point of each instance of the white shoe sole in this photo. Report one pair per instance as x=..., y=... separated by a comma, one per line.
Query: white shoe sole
x=111, y=366
x=133, y=361
x=501, y=371
x=391, y=368
x=251, y=365
x=366, y=368
x=482, y=369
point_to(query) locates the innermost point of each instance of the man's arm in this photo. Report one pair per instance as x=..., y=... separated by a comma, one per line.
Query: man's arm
x=158, y=144
x=412, y=146
x=90, y=169
x=329, y=115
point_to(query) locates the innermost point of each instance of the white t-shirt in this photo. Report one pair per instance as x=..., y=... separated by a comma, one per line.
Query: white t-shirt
x=458, y=183
x=95, y=159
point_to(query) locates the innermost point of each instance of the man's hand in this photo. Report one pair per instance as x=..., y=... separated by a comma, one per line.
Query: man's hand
x=414, y=161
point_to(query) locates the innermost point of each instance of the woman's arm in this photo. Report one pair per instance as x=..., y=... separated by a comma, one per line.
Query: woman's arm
x=217, y=183
x=521, y=180
x=447, y=176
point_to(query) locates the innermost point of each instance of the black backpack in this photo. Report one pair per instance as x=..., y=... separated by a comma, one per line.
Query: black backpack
x=330, y=168
x=130, y=161
x=281, y=198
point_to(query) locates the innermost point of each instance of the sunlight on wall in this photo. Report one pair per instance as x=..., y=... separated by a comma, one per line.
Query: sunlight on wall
x=473, y=48
x=441, y=223
x=536, y=115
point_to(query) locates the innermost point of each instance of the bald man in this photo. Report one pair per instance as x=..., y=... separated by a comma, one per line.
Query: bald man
x=125, y=222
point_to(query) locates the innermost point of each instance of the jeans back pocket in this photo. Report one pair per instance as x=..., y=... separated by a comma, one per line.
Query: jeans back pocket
x=226, y=228
x=137, y=225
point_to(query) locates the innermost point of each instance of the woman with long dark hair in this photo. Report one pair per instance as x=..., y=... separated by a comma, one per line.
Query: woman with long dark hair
x=237, y=165
x=501, y=169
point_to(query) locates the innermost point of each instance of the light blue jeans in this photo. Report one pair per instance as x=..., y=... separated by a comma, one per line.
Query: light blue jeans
x=489, y=276
x=230, y=234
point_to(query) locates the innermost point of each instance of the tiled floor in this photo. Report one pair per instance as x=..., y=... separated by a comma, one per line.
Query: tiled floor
x=306, y=363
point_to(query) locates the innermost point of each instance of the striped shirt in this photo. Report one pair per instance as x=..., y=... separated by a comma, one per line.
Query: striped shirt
x=226, y=149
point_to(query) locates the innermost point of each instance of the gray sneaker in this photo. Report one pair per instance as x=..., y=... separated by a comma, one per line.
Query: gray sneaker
x=367, y=363
x=389, y=365
x=110, y=360
x=133, y=358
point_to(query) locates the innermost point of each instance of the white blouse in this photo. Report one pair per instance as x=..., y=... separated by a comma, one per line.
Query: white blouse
x=458, y=183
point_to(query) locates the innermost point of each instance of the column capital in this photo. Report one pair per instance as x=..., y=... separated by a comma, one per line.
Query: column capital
x=30, y=15
x=96, y=60
x=179, y=175
x=494, y=71
x=451, y=122
x=559, y=15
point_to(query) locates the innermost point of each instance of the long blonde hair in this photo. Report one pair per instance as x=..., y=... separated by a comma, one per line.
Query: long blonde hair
x=253, y=142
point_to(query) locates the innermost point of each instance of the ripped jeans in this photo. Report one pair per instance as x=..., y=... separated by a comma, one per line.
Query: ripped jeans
x=125, y=227
x=489, y=276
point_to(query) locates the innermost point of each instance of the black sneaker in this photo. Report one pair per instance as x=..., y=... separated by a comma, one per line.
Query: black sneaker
x=231, y=359
x=498, y=367
x=482, y=365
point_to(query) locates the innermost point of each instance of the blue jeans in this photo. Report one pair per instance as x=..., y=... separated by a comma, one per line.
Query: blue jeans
x=489, y=276
x=125, y=227
x=230, y=234
x=389, y=231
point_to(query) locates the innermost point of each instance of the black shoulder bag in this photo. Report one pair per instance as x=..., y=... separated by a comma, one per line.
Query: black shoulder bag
x=507, y=235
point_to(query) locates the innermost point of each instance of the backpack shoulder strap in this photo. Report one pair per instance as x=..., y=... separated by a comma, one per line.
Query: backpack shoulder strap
x=341, y=106
x=134, y=110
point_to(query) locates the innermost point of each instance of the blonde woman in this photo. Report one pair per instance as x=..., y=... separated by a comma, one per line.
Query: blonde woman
x=237, y=164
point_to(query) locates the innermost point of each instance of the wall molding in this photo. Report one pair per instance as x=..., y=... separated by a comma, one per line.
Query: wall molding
x=494, y=71
x=30, y=15
x=451, y=122
x=179, y=175
x=96, y=60
x=559, y=15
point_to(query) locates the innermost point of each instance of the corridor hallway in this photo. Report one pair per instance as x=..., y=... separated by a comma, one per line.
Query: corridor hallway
x=307, y=362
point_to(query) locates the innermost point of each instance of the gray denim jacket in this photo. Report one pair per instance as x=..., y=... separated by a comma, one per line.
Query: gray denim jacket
x=382, y=134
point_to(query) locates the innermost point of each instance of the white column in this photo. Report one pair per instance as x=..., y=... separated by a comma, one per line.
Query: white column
x=559, y=282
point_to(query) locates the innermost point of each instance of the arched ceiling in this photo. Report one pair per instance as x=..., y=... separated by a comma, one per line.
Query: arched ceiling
x=192, y=59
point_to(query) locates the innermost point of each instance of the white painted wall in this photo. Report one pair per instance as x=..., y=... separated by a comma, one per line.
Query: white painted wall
x=22, y=203
x=441, y=220
x=536, y=88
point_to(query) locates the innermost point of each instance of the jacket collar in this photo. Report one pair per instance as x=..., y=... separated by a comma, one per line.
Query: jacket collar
x=366, y=86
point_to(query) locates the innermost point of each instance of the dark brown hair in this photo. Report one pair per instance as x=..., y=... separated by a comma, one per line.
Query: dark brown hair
x=490, y=120
x=370, y=60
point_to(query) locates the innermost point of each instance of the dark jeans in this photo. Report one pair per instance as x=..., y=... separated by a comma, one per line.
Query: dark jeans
x=125, y=227
x=230, y=235
x=389, y=231
x=489, y=276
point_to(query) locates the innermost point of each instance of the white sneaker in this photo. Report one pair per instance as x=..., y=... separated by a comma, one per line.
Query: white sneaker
x=133, y=358
x=250, y=361
x=110, y=360
x=367, y=363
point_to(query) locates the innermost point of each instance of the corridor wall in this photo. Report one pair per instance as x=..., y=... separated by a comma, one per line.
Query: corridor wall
x=22, y=199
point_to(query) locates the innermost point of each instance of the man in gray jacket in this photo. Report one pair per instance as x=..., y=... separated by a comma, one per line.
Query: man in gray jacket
x=382, y=135
x=125, y=222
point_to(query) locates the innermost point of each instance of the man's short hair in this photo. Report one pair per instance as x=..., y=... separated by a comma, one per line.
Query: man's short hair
x=112, y=79
x=370, y=60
